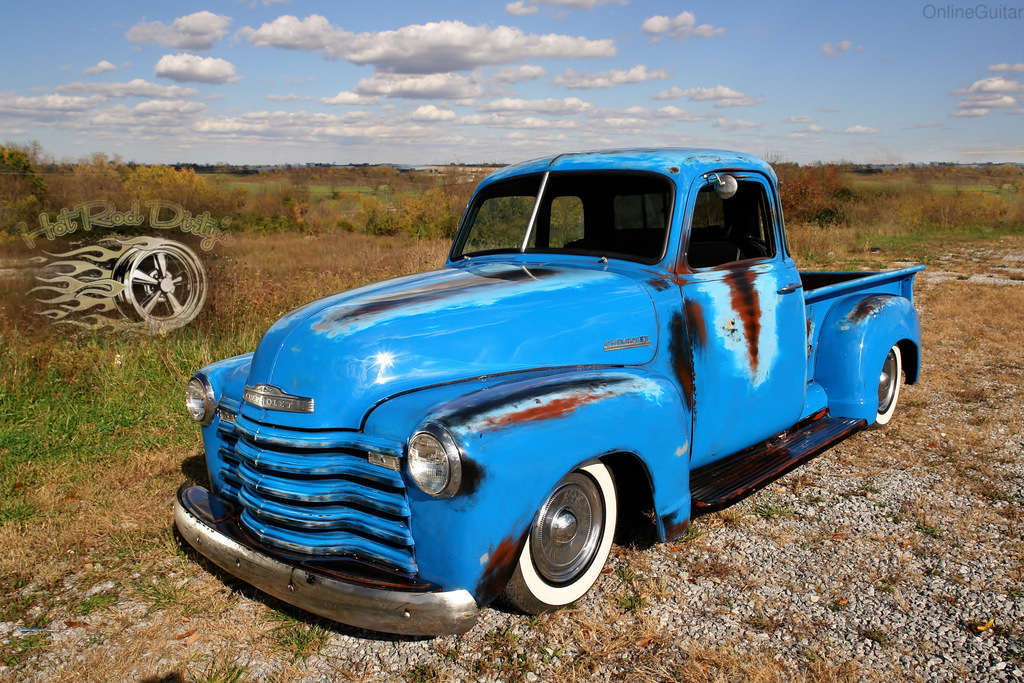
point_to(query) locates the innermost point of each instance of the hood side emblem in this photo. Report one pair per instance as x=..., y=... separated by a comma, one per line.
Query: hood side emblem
x=627, y=343
x=271, y=398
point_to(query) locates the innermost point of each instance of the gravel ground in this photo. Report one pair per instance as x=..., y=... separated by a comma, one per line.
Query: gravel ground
x=896, y=556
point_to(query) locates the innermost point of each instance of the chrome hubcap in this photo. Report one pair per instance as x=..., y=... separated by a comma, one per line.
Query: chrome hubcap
x=887, y=382
x=567, y=531
x=563, y=527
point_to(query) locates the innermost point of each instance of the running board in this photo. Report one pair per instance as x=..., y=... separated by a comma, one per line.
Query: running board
x=720, y=484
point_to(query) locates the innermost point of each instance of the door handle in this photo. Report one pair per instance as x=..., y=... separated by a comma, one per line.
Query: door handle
x=791, y=287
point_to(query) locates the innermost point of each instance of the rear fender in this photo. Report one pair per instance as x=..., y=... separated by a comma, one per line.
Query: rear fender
x=855, y=338
x=517, y=440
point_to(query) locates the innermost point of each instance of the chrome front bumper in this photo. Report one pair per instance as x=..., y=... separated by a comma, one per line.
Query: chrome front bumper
x=200, y=517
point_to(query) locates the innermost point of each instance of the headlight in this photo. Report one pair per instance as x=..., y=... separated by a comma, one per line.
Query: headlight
x=434, y=462
x=199, y=400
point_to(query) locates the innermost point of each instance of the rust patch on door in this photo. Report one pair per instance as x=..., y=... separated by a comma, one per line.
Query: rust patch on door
x=681, y=357
x=747, y=305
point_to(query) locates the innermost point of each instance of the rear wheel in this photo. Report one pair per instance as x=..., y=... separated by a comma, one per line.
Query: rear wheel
x=569, y=542
x=889, y=386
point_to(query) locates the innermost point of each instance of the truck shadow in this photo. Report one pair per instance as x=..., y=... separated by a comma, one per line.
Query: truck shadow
x=194, y=469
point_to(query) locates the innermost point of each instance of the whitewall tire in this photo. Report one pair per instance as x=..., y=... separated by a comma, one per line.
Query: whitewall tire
x=569, y=541
x=889, y=386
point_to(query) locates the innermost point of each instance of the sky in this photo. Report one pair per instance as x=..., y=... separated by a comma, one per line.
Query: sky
x=448, y=81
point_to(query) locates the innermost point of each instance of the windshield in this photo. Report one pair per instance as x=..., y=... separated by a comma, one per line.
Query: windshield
x=598, y=213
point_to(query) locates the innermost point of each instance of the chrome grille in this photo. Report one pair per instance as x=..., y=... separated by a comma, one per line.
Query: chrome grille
x=316, y=493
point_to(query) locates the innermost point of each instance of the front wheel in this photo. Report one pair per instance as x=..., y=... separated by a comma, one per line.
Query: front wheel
x=889, y=386
x=569, y=542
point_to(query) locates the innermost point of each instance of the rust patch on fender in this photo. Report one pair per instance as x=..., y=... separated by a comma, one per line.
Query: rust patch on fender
x=674, y=528
x=659, y=283
x=555, y=408
x=747, y=305
x=501, y=563
x=867, y=308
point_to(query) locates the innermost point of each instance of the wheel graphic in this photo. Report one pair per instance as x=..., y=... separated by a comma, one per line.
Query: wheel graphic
x=164, y=284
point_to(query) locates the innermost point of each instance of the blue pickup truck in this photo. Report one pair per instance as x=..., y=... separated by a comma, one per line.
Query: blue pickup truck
x=614, y=337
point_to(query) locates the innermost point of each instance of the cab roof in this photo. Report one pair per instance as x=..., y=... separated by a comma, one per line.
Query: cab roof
x=681, y=163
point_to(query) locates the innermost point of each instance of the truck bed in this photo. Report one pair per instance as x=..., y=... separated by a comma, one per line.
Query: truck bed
x=823, y=286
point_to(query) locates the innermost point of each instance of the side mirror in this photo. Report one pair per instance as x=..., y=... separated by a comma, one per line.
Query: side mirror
x=725, y=184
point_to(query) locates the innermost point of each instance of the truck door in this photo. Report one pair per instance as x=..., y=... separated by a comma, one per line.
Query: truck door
x=745, y=319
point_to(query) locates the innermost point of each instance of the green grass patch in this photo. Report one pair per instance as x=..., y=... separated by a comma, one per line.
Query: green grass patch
x=94, y=603
x=22, y=647
x=298, y=637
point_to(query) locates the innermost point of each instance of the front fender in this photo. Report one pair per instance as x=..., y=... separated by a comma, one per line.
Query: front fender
x=518, y=438
x=855, y=338
x=227, y=378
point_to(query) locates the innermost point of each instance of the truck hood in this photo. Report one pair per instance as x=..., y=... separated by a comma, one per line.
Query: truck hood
x=350, y=351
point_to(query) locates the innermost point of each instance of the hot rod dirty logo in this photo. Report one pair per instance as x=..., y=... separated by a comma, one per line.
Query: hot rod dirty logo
x=148, y=283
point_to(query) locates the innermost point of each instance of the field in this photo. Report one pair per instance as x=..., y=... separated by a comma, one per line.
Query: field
x=96, y=586
x=898, y=555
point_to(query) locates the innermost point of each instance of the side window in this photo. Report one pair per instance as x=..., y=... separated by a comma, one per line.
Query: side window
x=566, y=221
x=640, y=223
x=726, y=230
x=641, y=211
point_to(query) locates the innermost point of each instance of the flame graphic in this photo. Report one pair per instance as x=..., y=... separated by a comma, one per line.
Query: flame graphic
x=90, y=280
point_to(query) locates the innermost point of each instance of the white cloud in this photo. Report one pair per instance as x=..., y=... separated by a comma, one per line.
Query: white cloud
x=435, y=47
x=520, y=9
x=810, y=132
x=136, y=87
x=198, y=31
x=828, y=50
x=175, y=107
x=970, y=112
x=290, y=97
x=993, y=101
x=45, y=106
x=681, y=28
x=518, y=74
x=185, y=67
x=102, y=67
x=861, y=130
x=345, y=97
x=1006, y=66
x=420, y=86
x=429, y=113
x=721, y=95
x=550, y=106
x=512, y=120
x=641, y=115
x=993, y=84
x=738, y=124
x=987, y=94
x=525, y=7
x=800, y=119
x=608, y=79
x=678, y=114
